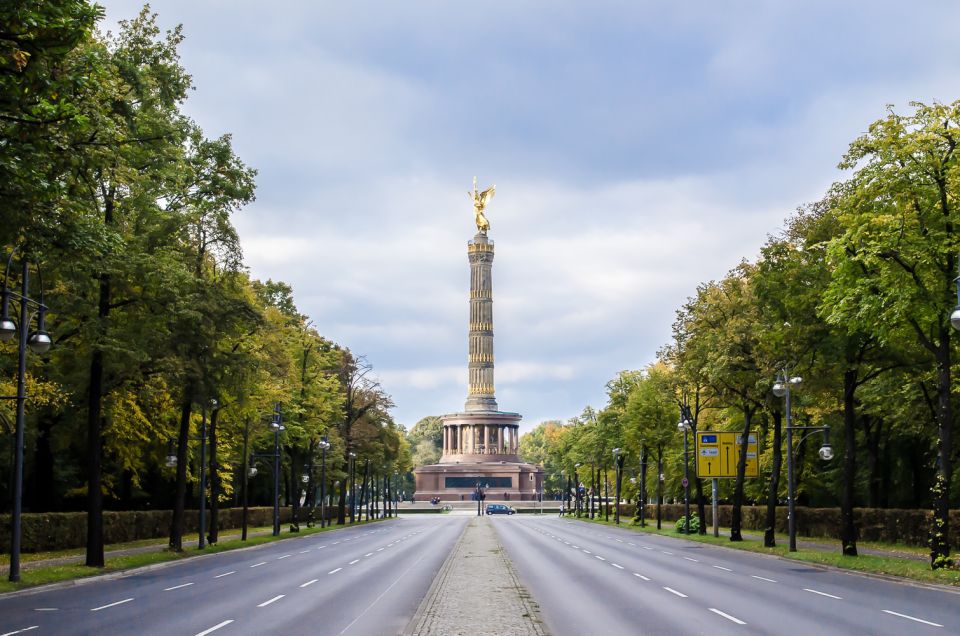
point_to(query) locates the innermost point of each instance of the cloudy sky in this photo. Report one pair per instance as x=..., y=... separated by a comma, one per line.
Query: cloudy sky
x=638, y=148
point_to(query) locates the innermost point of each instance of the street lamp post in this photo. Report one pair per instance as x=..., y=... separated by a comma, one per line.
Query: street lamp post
x=351, y=468
x=781, y=388
x=578, y=486
x=643, y=486
x=684, y=425
x=324, y=446
x=618, y=462
x=39, y=342
x=276, y=423
x=203, y=472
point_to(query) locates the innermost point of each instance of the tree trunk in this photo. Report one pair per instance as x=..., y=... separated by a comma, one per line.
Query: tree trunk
x=659, y=483
x=940, y=532
x=848, y=530
x=773, y=492
x=176, y=524
x=736, y=519
x=872, y=429
x=214, y=479
x=94, y=456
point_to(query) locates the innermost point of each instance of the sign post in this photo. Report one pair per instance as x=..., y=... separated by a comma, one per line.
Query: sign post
x=718, y=453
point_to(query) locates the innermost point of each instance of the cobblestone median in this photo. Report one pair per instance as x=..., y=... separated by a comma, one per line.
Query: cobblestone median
x=476, y=592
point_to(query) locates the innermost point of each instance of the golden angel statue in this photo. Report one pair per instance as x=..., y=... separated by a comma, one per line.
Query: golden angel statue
x=480, y=200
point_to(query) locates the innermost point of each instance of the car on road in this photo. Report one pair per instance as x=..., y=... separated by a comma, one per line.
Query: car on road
x=500, y=509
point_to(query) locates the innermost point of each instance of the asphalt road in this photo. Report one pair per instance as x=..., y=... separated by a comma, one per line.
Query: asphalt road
x=361, y=580
x=591, y=579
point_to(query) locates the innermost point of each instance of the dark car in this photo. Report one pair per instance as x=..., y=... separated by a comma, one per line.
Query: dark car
x=499, y=509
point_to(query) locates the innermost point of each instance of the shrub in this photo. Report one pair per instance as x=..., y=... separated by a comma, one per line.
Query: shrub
x=694, y=524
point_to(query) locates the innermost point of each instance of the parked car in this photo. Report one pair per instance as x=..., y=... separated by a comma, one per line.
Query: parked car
x=500, y=509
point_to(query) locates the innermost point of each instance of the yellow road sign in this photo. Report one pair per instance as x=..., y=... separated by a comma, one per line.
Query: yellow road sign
x=719, y=451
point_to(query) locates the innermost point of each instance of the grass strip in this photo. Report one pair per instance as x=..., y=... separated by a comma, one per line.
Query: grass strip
x=57, y=573
x=867, y=563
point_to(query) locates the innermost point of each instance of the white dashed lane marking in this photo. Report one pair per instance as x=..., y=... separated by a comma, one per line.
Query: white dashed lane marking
x=673, y=591
x=308, y=583
x=20, y=631
x=284, y=556
x=220, y=576
x=720, y=567
x=256, y=565
x=103, y=607
x=762, y=578
x=912, y=618
x=215, y=627
x=619, y=567
x=334, y=571
x=690, y=559
x=726, y=616
x=273, y=600
x=641, y=576
x=177, y=587
x=807, y=589
x=354, y=561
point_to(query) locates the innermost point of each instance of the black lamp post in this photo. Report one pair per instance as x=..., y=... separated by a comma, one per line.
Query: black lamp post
x=684, y=425
x=642, y=502
x=324, y=446
x=276, y=423
x=203, y=471
x=578, y=486
x=781, y=388
x=39, y=342
x=618, y=462
x=353, y=486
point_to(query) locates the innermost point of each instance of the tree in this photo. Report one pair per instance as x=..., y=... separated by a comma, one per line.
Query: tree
x=896, y=258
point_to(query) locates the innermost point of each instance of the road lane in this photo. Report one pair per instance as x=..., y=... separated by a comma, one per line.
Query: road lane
x=655, y=584
x=287, y=587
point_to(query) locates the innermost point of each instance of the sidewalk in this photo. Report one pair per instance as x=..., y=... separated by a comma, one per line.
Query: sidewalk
x=476, y=592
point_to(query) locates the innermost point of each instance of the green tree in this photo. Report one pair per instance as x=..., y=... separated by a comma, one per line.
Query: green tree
x=896, y=258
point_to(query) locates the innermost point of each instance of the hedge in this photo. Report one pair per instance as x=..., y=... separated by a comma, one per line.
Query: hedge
x=889, y=525
x=46, y=531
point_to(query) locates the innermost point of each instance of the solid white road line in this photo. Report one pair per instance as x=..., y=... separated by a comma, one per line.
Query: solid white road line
x=807, y=589
x=726, y=616
x=673, y=591
x=256, y=565
x=284, y=556
x=225, y=574
x=310, y=582
x=619, y=567
x=177, y=587
x=20, y=631
x=720, y=567
x=215, y=627
x=334, y=571
x=912, y=618
x=273, y=600
x=645, y=578
x=97, y=609
x=763, y=578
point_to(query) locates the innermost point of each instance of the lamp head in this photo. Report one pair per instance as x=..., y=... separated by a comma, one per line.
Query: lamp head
x=616, y=452
x=171, y=460
x=826, y=452
x=779, y=388
x=305, y=478
x=955, y=318
x=253, y=471
x=39, y=342
x=8, y=328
